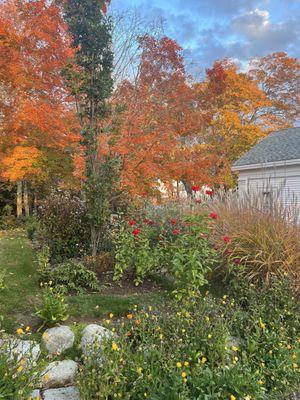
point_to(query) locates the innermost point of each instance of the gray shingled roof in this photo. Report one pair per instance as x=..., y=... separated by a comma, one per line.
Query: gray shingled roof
x=278, y=146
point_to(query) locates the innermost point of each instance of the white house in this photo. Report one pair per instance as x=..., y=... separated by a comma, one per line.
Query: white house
x=274, y=163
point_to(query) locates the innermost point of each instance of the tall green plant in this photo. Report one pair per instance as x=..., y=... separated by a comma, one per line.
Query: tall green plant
x=90, y=80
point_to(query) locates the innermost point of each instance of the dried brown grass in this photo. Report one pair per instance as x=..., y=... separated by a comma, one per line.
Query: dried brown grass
x=264, y=233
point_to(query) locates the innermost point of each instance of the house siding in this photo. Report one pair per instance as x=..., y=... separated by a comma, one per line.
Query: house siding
x=286, y=178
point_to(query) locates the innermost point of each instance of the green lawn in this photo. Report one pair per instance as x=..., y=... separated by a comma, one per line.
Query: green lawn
x=22, y=295
x=17, y=301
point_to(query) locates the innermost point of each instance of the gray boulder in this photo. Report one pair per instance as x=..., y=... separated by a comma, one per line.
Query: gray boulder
x=92, y=339
x=69, y=393
x=35, y=395
x=28, y=350
x=58, y=339
x=58, y=374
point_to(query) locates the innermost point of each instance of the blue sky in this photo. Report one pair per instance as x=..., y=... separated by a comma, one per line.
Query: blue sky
x=213, y=29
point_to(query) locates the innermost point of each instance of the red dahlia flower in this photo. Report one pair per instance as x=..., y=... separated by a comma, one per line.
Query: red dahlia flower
x=175, y=231
x=195, y=188
x=132, y=222
x=209, y=192
x=136, y=231
x=149, y=221
x=173, y=221
x=226, y=239
x=213, y=215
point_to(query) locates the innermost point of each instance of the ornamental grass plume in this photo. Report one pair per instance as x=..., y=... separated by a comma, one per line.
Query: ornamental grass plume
x=264, y=235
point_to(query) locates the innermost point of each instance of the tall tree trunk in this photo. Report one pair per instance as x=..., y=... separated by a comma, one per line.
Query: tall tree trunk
x=35, y=201
x=26, y=198
x=19, y=200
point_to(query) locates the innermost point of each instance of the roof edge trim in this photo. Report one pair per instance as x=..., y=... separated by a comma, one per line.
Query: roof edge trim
x=271, y=164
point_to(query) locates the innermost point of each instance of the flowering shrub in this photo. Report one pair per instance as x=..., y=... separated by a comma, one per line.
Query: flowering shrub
x=54, y=308
x=203, y=348
x=180, y=247
x=64, y=226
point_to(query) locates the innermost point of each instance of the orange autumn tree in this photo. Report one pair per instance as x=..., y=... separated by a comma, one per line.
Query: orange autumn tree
x=237, y=110
x=158, y=120
x=37, y=124
x=278, y=76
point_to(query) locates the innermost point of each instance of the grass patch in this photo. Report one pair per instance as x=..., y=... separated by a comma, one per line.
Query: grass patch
x=18, y=301
x=91, y=306
x=19, y=298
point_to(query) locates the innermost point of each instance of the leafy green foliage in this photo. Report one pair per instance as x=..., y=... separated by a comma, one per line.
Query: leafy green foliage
x=7, y=219
x=54, y=308
x=31, y=226
x=203, y=348
x=179, y=247
x=64, y=226
x=73, y=276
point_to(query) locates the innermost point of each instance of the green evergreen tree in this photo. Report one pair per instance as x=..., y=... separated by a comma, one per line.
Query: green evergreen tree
x=90, y=80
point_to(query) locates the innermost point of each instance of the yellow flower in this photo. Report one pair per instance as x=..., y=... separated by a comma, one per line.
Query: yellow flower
x=203, y=360
x=114, y=346
x=139, y=370
x=107, y=321
x=183, y=375
x=111, y=315
x=27, y=329
x=289, y=347
x=295, y=365
x=232, y=397
x=248, y=398
x=20, y=368
x=234, y=348
x=270, y=351
x=150, y=308
x=262, y=325
x=161, y=336
x=209, y=336
x=207, y=319
x=260, y=382
x=178, y=364
x=20, y=331
x=186, y=363
x=45, y=336
x=46, y=377
x=129, y=316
